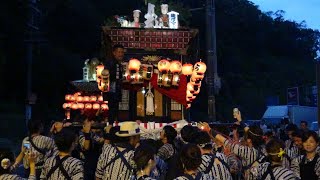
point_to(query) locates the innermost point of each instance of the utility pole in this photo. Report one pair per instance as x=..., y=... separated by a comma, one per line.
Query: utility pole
x=32, y=30
x=318, y=87
x=213, y=81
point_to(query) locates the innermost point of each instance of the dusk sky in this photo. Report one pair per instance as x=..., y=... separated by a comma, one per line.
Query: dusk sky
x=297, y=10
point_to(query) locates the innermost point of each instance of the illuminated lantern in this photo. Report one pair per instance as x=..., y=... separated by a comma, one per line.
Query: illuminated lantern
x=86, y=98
x=137, y=78
x=100, y=98
x=200, y=68
x=80, y=105
x=190, y=96
x=164, y=66
x=134, y=65
x=73, y=98
x=147, y=71
x=196, y=77
x=187, y=69
x=159, y=80
x=96, y=106
x=79, y=99
x=104, y=106
x=99, y=69
x=190, y=87
x=125, y=72
x=104, y=84
x=175, y=67
x=68, y=97
x=88, y=106
x=188, y=106
x=74, y=106
x=167, y=80
x=176, y=80
x=66, y=105
x=93, y=98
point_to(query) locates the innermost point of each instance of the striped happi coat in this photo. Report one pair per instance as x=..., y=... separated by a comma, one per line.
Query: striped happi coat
x=15, y=177
x=279, y=173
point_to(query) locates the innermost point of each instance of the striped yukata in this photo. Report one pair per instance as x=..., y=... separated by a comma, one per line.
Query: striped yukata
x=15, y=177
x=73, y=166
x=291, y=153
x=200, y=176
x=44, y=143
x=117, y=169
x=296, y=162
x=279, y=172
x=235, y=166
x=249, y=156
x=215, y=166
x=166, y=151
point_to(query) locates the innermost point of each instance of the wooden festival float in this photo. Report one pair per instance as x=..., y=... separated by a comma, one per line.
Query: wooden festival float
x=159, y=84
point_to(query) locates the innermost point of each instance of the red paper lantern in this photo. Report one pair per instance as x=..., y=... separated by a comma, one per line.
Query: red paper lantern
x=99, y=69
x=74, y=106
x=187, y=69
x=134, y=65
x=164, y=66
x=93, y=98
x=96, y=106
x=200, y=68
x=86, y=98
x=68, y=97
x=190, y=87
x=176, y=80
x=88, y=106
x=80, y=105
x=79, y=99
x=104, y=106
x=175, y=67
x=100, y=98
x=196, y=77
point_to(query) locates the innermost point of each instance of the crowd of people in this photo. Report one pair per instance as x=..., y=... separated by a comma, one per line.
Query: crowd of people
x=193, y=152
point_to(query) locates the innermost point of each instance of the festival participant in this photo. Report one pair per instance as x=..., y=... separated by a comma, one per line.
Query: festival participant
x=190, y=159
x=116, y=160
x=6, y=160
x=273, y=170
x=252, y=153
x=167, y=137
x=144, y=158
x=307, y=167
x=63, y=166
x=213, y=164
x=42, y=146
x=294, y=149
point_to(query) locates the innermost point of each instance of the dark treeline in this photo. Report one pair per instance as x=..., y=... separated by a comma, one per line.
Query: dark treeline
x=259, y=54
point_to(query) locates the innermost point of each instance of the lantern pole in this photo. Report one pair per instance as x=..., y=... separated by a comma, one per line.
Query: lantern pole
x=211, y=53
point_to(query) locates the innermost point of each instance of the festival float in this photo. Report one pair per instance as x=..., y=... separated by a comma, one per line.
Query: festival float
x=159, y=79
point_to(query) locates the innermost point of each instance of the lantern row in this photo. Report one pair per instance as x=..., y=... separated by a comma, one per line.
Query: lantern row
x=76, y=101
x=75, y=106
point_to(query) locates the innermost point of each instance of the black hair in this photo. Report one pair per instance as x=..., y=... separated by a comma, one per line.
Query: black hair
x=269, y=134
x=112, y=134
x=273, y=148
x=255, y=133
x=116, y=46
x=309, y=134
x=35, y=126
x=6, y=153
x=203, y=138
x=170, y=133
x=298, y=133
x=64, y=139
x=190, y=157
x=142, y=155
x=305, y=122
x=291, y=127
x=188, y=133
x=155, y=145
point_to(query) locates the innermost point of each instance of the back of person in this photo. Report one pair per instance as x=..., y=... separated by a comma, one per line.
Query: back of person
x=268, y=172
x=115, y=163
x=70, y=168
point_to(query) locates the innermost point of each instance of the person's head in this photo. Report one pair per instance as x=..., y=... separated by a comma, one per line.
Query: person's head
x=204, y=142
x=35, y=126
x=310, y=141
x=188, y=133
x=118, y=52
x=275, y=150
x=66, y=140
x=253, y=136
x=6, y=159
x=297, y=138
x=268, y=136
x=304, y=125
x=130, y=131
x=144, y=157
x=290, y=129
x=168, y=134
x=190, y=157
